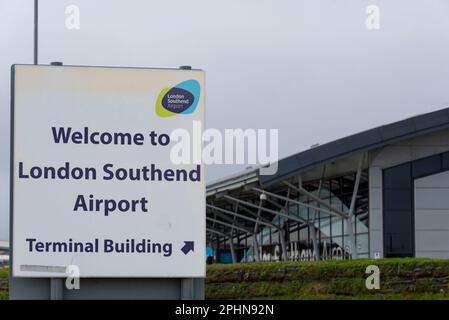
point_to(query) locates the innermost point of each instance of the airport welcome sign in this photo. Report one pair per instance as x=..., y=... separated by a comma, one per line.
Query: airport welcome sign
x=92, y=181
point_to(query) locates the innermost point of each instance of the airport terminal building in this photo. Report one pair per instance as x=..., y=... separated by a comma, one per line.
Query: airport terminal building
x=380, y=193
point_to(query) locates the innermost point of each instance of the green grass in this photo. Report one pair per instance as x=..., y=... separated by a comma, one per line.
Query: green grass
x=421, y=296
x=338, y=279
x=4, y=274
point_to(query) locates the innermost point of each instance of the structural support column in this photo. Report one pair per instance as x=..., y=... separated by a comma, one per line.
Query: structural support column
x=331, y=210
x=256, y=248
x=283, y=245
x=280, y=229
x=276, y=213
x=257, y=219
x=352, y=208
x=316, y=247
x=256, y=242
x=36, y=30
x=313, y=233
x=231, y=245
x=56, y=288
x=305, y=205
x=187, y=289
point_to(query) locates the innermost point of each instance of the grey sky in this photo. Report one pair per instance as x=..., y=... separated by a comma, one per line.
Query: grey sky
x=309, y=68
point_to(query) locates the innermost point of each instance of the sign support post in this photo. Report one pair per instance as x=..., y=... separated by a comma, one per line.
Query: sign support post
x=36, y=30
x=56, y=289
x=187, y=289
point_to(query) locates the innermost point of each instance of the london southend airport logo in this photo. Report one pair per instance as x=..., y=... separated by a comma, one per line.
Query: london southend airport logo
x=180, y=99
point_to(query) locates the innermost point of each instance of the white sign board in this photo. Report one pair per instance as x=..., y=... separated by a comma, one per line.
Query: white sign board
x=94, y=184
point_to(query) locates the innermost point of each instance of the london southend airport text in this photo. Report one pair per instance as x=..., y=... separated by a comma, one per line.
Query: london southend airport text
x=90, y=203
x=148, y=172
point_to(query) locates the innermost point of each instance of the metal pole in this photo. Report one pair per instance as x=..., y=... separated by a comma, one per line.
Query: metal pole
x=56, y=284
x=249, y=204
x=56, y=288
x=36, y=11
x=230, y=225
x=280, y=229
x=187, y=289
x=352, y=208
x=314, y=235
x=231, y=245
x=283, y=245
x=312, y=228
x=259, y=220
x=256, y=229
x=283, y=233
x=316, y=199
x=315, y=245
x=256, y=248
x=296, y=202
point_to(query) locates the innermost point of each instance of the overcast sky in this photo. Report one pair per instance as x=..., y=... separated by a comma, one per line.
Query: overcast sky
x=309, y=68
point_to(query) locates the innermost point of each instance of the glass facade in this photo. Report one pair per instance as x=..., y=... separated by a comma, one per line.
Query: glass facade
x=332, y=234
x=332, y=238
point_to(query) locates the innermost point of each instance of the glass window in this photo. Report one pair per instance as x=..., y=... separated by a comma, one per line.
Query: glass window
x=397, y=199
x=397, y=210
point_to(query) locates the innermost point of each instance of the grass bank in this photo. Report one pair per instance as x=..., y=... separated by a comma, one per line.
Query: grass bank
x=4, y=273
x=399, y=279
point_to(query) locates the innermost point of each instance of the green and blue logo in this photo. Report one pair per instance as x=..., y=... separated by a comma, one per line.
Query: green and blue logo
x=180, y=99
